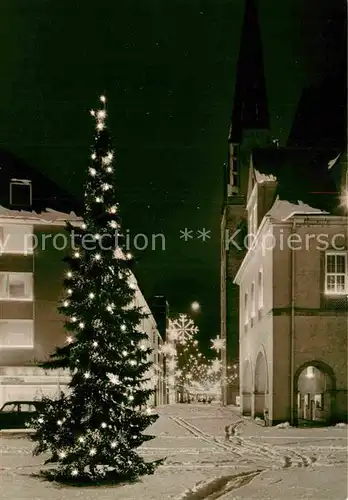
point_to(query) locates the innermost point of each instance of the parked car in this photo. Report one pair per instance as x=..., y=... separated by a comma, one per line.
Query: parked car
x=15, y=414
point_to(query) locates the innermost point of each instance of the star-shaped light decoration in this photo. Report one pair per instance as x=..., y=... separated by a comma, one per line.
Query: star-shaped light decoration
x=114, y=379
x=218, y=344
x=172, y=364
x=182, y=329
x=216, y=366
x=167, y=349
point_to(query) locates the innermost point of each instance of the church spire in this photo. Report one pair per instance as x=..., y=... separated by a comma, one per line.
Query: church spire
x=250, y=108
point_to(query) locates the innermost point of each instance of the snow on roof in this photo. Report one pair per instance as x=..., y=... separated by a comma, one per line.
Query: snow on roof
x=283, y=210
x=333, y=162
x=260, y=178
x=48, y=215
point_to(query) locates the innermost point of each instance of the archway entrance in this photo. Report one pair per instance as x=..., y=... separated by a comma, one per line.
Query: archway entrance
x=261, y=386
x=247, y=387
x=315, y=386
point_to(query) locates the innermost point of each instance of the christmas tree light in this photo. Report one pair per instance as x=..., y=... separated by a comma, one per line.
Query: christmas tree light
x=92, y=433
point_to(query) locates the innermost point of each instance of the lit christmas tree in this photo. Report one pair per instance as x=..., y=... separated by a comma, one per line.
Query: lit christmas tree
x=92, y=432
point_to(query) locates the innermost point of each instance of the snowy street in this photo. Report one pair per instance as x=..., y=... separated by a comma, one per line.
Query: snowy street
x=261, y=463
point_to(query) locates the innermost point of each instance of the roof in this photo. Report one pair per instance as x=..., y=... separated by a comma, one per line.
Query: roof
x=48, y=215
x=282, y=210
x=250, y=105
x=302, y=174
x=261, y=178
x=45, y=192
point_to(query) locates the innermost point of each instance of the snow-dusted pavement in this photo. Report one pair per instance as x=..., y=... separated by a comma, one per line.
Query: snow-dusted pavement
x=262, y=463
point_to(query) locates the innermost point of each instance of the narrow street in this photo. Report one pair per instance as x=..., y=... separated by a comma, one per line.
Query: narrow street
x=262, y=463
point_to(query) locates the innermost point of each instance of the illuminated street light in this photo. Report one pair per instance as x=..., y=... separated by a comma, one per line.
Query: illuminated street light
x=195, y=306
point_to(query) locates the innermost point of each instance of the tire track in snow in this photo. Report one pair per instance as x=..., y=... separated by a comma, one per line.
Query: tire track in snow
x=219, y=487
x=239, y=450
x=287, y=458
x=202, y=435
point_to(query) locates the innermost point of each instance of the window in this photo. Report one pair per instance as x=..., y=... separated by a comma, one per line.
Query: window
x=20, y=193
x=336, y=279
x=10, y=407
x=246, y=312
x=16, y=239
x=319, y=401
x=16, y=286
x=254, y=210
x=260, y=286
x=27, y=407
x=234, y=174
x=16, y=334
x=253, y=300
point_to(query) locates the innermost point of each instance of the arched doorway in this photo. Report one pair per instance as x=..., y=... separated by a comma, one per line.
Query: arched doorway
x=315, y=389
x=261, y=385
x=247, y=387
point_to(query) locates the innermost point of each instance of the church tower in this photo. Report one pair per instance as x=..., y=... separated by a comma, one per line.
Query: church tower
x=250, y=128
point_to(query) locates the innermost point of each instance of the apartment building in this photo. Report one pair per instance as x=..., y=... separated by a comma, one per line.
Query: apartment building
x=32, y=246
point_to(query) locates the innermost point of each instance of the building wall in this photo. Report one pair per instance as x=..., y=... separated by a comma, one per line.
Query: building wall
x=320, y=322
x=231, y=258
x=47, y=268
x=148, y=325
x=19, y=375
x=256, y=337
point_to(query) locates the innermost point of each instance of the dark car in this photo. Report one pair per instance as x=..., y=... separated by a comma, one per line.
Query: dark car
x=15, y=414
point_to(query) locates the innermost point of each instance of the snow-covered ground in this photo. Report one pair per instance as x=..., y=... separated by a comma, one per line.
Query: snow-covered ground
x=261, y=463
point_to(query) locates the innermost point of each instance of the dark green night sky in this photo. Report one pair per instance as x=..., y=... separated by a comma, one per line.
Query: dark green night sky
x=168, y=70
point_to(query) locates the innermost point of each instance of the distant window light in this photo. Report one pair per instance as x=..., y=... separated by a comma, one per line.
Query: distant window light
x=20, y=193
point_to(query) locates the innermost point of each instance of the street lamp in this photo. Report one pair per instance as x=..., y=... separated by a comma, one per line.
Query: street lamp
x=195, y=306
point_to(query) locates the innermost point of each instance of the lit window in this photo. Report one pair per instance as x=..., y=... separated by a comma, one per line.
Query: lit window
x=336, y=279
x=17, y=334
x=16, y=239
x=16, y=286
x=260, y=289
x=246, y=312
x=253, y=300
x=310, y=372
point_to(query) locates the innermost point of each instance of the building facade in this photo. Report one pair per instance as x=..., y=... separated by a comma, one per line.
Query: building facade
x=33, y=242
x=293, y=296
x=249, y=128
x=298, y=172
